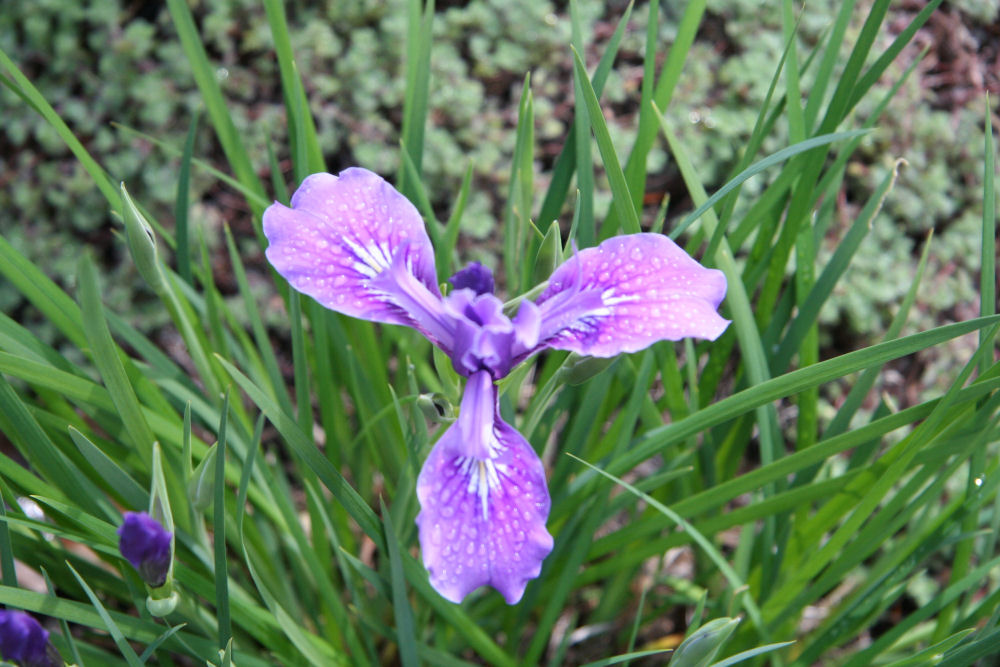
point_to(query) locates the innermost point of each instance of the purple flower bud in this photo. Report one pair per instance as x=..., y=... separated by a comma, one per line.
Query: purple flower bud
x=145, y=543
x=476, y=277
x=24, y=641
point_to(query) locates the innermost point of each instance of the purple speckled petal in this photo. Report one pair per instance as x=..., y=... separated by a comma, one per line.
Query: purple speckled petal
x=628, y=293
x=343, y=231
x=483, y=504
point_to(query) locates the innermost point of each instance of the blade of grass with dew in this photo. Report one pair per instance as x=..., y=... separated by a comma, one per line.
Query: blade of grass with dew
x=871, y=599
x=849, y=509
x=792, y=383
x=705, y=501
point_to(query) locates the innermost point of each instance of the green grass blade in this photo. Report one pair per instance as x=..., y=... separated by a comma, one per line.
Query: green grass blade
x=635, y=166
x=259, y=200
x=116, y=633
x=303, y=447
x=988, y=259
x=108, y=470
x=788, y=384
x=264, y=347
x=109, y=365
x=738, y=586
x=624, y=207
x=883, y=62
x=517, y=212
x=835, y=268
x=181, y=204
x=831, y=54
x=562, y=172
x=37, y=101
x=419, y=40
x=584, y=234
x=219, y=539
x=756, y=168
x=211, y=93
x=403, y=613
x=307, y=156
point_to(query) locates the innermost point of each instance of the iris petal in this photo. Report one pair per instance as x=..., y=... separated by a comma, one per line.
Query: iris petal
x=343, y=231
x=483, y=505
x=628, y=293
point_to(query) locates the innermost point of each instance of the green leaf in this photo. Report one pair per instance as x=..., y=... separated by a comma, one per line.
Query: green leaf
x=403, y=613
x=622, y=201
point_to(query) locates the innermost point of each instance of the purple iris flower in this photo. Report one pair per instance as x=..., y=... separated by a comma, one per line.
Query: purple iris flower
x=357, y=246
x=146, y=544
x=24, y=641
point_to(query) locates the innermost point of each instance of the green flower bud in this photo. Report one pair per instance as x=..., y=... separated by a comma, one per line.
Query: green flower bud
x=201, y=486
x=141, y=243
x=700, y=649
x=436, y=407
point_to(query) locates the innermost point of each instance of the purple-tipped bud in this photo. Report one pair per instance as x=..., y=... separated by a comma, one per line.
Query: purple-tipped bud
x=476, y=277
x=24, y=641
x=146, y=545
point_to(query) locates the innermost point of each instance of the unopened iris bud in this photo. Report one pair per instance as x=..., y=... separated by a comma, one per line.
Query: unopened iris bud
x=476, y=277
x=24, y=641
x=146, y=544
x=201, y=487
x=436, y=407
x=700, y=649
x=141, y=243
